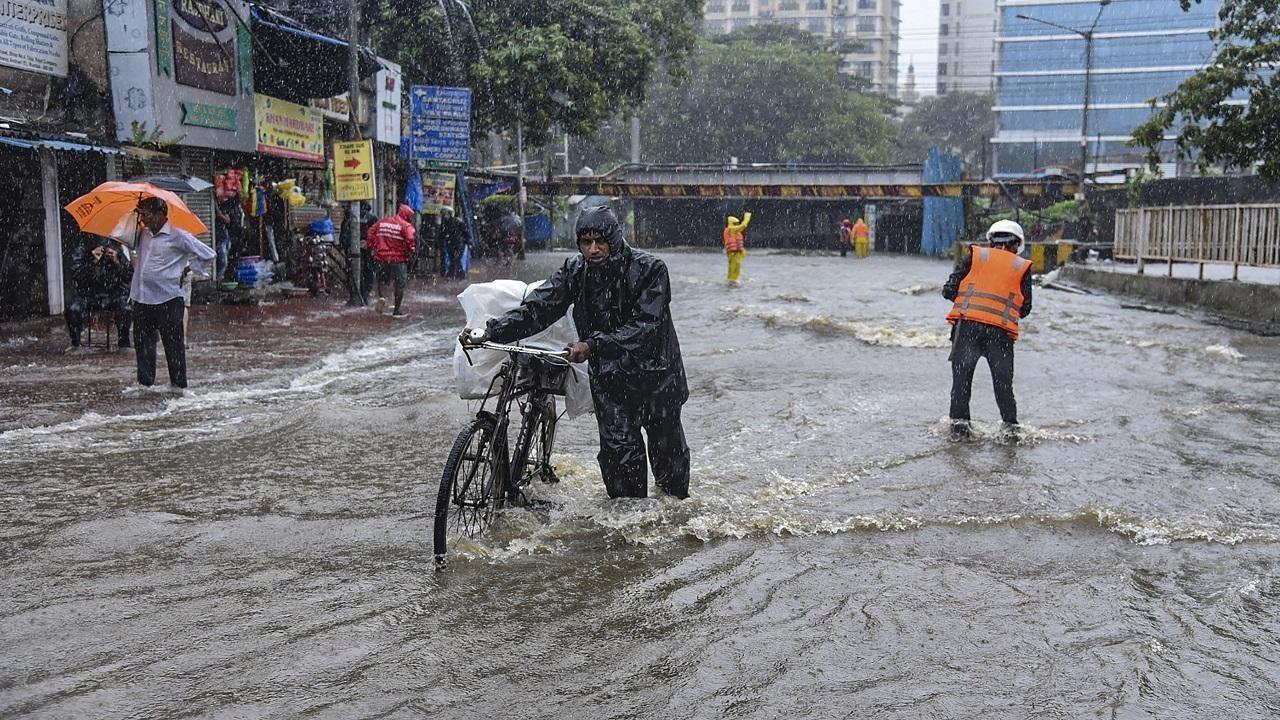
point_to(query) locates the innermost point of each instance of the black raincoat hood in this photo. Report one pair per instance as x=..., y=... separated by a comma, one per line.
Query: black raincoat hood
x=601, y=219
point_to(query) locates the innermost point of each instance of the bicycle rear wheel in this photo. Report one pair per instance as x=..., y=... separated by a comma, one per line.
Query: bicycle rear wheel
x=471, y=487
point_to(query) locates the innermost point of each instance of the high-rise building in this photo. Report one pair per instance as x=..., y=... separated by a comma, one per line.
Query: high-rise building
x=967, y=32
x=1141, y=49
x=873, y=23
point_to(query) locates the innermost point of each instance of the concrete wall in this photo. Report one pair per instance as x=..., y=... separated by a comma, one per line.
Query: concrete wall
x=1252, y=306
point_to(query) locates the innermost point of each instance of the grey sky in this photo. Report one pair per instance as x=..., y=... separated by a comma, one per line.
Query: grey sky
x=919, y=43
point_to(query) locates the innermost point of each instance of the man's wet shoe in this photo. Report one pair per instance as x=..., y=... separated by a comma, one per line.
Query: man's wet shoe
x=960, y=430
x=1011, y=433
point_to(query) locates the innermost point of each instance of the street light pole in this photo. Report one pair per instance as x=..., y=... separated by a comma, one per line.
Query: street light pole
x=1088, y=74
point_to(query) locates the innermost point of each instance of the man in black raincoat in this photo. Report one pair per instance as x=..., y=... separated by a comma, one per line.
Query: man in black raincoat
x=621, y=300
x=100, y=271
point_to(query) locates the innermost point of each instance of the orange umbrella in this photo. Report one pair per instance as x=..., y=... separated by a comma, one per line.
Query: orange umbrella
x=108, y=210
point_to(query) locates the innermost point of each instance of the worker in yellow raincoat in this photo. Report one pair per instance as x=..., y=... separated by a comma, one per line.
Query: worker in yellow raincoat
x=861, y=238
x=734, y=245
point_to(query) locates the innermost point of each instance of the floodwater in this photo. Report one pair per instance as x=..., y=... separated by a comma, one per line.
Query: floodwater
x=261, y=547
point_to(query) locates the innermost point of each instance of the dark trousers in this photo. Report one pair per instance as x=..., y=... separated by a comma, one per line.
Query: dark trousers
x=975, y=340
x=80, y=308
x=622, y=449
x=165, y=321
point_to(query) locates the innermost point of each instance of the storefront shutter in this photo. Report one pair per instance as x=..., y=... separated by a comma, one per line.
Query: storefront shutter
x=198, y=162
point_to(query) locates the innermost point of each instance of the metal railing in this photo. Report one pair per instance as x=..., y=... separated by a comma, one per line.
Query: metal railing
x=1236, y=235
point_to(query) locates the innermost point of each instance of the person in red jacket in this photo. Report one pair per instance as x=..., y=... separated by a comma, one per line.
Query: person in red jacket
x=391, y=240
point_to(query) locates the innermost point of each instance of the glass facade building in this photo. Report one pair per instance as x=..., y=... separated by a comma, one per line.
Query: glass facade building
x=1141, y=49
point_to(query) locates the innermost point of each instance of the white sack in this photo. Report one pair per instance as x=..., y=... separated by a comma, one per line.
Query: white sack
x=485, y=301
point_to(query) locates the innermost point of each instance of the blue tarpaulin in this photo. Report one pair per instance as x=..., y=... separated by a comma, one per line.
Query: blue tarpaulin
x=943, y=217
x=413, y=189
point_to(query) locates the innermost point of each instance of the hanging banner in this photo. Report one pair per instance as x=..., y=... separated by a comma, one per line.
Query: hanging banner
x=353, y=171
x=288, y=130
x=387, y=112
x=164, y=39
x=33, y=36
x=437, y=191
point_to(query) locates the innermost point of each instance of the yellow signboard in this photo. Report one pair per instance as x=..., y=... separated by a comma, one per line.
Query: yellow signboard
x=353, y=170
x=288, y=129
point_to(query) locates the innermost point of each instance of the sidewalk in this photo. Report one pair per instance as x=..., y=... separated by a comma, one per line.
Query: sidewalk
x=41, y=384
x=1191, y=271
x=1253, y=304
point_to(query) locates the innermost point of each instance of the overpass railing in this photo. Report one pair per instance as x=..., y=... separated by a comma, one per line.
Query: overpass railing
x=1238, y=235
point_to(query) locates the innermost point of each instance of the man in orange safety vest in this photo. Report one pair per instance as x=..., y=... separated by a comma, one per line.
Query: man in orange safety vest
x=990, y=292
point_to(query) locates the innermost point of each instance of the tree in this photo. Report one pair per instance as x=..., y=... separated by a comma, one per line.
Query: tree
x=765, y=94
x=1210, y=130
x=567, y=64
x=958, y=123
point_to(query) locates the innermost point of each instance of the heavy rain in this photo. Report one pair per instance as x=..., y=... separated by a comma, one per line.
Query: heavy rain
x=667, y=359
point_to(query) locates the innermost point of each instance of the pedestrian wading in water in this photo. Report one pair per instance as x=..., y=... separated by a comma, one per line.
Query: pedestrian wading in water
x=621, y=301
x=735, y=247
x=166, y=254
x=991, y=292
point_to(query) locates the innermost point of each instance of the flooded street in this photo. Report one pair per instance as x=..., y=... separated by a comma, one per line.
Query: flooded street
x=261, y=547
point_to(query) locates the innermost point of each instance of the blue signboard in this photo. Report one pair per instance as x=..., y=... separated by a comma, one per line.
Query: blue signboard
x=446, y=102
x=440, y=125
x=440, y=140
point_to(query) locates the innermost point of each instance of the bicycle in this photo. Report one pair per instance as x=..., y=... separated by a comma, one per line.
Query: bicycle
x=481, y=476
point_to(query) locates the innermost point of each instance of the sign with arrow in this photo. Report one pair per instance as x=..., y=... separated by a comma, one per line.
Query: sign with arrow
x=440, y=126
x=353, y=176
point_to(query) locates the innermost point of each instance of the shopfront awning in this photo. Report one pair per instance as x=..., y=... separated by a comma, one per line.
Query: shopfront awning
x=293, y=63
x=33, y=144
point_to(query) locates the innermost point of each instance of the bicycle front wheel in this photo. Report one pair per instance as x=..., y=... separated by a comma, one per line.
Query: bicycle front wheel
x=472, y=484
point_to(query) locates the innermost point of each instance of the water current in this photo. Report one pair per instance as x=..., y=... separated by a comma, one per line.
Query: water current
x=260, y=547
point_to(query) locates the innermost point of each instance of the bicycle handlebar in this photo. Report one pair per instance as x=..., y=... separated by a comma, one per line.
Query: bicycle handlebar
x=518, y=350
x=538, y=352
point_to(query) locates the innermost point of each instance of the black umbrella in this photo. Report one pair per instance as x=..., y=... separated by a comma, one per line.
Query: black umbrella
x=509, y=222
x=175, y=183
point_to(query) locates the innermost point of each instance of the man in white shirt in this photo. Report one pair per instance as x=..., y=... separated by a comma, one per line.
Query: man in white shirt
x=164, y=256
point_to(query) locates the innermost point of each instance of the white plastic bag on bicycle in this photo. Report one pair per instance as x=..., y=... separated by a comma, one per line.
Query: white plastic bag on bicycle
x=484, y=301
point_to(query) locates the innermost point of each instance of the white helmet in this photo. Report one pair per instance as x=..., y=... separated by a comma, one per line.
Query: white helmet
x=1005, y=227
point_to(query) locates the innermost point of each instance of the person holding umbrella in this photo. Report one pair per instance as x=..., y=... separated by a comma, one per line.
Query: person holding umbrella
x=165, y=255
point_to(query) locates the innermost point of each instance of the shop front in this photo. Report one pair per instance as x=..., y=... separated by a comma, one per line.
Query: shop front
x=52, y=144
x=182, y=78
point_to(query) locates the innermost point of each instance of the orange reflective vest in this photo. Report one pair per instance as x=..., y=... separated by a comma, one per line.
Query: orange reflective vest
x=732, y=240
x=861, y=231
x=992, y=291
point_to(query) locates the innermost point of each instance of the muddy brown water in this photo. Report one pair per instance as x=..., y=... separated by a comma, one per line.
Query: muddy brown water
x=260, y=547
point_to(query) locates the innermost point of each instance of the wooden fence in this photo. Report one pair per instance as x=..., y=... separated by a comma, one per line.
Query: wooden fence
x=1232, y=234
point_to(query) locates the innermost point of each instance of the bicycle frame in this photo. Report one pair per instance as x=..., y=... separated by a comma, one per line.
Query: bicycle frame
x=516, y=380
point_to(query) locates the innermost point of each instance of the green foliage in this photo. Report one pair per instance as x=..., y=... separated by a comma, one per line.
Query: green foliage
x=765, y=94
x=545, y=63
x=767, y=34
x=1133, y=188
x=958, y=123
x=140, y=136
x=1209, y=130
x=1060, y=212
